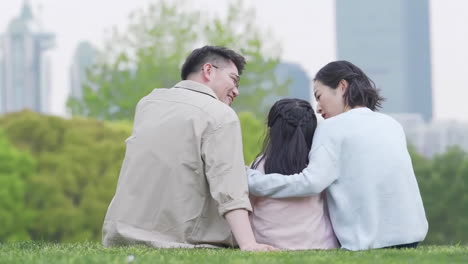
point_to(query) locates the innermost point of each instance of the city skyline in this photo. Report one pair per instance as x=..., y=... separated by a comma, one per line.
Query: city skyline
x=432, y=138
x=25, y=64
x=84, y=21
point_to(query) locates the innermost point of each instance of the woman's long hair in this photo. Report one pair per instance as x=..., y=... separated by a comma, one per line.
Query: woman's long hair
x=291, y=127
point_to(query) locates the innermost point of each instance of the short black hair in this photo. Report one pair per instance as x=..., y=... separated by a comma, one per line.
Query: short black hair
x=205, y=54
x=361, y=89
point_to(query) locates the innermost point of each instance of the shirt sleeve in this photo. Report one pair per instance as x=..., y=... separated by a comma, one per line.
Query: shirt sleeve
x=225, y=168
x=320, y=173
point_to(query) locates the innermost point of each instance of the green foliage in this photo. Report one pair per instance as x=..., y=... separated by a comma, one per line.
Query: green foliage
x=238, y=31
x=16, y=168
x=150, y=52
x=37, y=252
x=443, y=185
x=77, y=166
x=253, y=133
x=78, y=162
x=57, y=177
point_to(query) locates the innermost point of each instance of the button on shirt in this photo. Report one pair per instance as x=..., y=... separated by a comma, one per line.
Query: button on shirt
x=183, y=170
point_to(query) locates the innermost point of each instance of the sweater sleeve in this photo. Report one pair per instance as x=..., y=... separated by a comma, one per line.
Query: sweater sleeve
x=320, y=173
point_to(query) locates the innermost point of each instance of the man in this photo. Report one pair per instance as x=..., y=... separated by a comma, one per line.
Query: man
x=183, y=181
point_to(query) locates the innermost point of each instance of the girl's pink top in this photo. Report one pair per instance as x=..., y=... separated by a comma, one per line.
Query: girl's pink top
x=292, y=223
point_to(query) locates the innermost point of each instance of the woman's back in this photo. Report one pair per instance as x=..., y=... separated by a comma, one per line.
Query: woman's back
x=375, y=199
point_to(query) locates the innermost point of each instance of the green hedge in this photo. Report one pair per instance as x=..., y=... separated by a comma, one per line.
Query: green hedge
x=57, y=177
x=77, y=165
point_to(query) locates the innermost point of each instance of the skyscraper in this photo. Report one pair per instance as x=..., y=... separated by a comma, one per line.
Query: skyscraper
x=25, y=64
x=85, y=56
x=300, y=81
x=390, y=41
x=299, y=86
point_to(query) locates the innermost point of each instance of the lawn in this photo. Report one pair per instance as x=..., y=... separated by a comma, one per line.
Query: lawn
x=34, y=252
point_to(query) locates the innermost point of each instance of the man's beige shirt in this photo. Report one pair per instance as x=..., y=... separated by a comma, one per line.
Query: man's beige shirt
x=183, y=170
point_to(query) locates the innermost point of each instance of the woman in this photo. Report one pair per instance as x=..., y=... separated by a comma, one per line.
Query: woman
x=290, y=223
x=361, y=159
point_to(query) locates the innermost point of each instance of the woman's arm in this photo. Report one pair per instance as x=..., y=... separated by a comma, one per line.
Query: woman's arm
x=320, y=173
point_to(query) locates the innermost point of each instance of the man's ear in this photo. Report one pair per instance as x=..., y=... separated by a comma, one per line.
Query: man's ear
x=207, y=72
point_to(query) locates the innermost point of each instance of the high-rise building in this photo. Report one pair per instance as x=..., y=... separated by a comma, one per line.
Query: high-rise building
x=390, y=41
x=1, y=76
x=299, y=85
x=25, y=64
x=300, y=80
x=85, y=56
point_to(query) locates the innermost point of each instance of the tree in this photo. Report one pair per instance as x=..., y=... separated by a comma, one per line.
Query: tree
x=253, y=133
x=443, y=187
x=150, y=52
x=61, y=190
x=77, y=166
x=16, y=167
x=58, y=176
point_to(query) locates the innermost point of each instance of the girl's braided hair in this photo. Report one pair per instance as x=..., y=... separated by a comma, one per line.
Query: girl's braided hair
x=291, y=126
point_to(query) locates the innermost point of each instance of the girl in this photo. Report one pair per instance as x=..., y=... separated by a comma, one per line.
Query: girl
x=290, y=223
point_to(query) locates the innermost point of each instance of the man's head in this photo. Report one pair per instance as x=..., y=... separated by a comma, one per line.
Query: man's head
x=216, y=67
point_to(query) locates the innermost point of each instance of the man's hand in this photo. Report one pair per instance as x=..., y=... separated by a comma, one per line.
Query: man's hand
x=258, y=247
x=240, y=225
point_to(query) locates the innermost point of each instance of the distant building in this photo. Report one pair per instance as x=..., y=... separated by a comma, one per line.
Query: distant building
x=415, y=130
x=443, y=134
x=435, y=137
x=390, y=41
x=300, y=81
x=25, y=64
x=1, y=76
x=299, y=86
x=85, y=56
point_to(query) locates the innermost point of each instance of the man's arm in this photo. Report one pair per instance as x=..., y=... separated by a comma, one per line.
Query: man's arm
x=240, y=225
x=225, y=173
x=320, y=173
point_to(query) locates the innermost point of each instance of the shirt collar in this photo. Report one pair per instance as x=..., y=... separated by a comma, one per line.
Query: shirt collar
x=360, y=110
x=197, y=87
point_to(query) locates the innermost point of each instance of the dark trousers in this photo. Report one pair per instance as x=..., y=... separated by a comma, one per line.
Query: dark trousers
x=410, y=245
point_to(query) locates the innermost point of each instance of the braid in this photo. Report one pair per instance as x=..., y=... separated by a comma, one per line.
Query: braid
x=290, y=118
x=291, y=124
x=307, y=117
x=296, y=121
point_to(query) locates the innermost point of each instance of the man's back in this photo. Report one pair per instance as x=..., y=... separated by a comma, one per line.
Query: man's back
x=183, y=170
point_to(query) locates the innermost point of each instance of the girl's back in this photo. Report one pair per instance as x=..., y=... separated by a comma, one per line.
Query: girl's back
x=290, y=223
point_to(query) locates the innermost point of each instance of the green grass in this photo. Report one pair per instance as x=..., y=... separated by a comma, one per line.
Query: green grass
x=40, y=252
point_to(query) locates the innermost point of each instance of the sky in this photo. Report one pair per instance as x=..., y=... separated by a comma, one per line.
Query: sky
x=304, y=28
